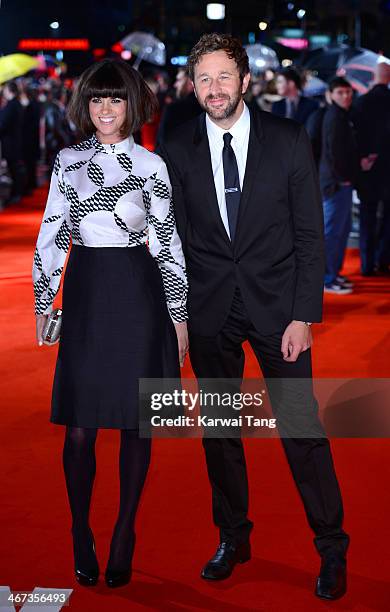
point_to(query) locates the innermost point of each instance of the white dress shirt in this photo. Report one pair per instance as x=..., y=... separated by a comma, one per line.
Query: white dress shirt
x=240, y=132
x=115, y=195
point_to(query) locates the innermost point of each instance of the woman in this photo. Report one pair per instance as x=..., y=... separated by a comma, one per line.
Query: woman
x=122, y=300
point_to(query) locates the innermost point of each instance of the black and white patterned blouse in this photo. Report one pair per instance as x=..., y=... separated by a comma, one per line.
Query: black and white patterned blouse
x=109, y=195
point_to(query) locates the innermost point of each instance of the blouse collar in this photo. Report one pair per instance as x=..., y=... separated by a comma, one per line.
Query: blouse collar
x=124, y=146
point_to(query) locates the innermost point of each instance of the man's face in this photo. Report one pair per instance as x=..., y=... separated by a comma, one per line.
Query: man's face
x=8, y=95
x=281, y=85
x=342, y=96
x=217, y=84
x=181, y=84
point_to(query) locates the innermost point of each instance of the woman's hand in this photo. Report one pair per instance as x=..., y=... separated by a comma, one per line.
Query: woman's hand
x=182, y=340
x=40, y=324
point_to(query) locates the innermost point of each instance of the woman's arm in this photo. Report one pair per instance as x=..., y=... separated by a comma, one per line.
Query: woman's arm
x=51, y=248
x=165, y=246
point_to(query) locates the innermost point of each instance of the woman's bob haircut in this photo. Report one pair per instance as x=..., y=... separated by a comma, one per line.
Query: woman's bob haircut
x=112, y=78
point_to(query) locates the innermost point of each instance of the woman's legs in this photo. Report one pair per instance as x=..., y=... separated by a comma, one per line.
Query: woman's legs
x=134, y=459
x=80, y=466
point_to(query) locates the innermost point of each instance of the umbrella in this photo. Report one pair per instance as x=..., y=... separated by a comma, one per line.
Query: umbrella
x=360, y=70
x=261, y=58
x=325, y=62
x=15, y=65
x=146, y=47
x=314, y=86
x=45, y=62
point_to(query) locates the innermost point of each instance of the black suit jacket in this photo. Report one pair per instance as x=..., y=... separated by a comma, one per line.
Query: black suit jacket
x=177, y=113
x=277, y=258
x=306, y=106
x=339, y=161
x=373, y=134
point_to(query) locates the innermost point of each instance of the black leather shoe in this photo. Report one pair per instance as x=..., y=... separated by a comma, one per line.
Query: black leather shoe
x=224, y=560
x=84, y=576
x=117, y=579
x=332, y=581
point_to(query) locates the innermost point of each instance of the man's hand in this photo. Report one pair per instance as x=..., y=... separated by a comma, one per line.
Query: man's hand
x=366, y=163
x=296, y=339
x=182, y=340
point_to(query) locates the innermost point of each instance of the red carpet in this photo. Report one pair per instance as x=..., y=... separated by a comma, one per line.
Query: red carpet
x=175, y=534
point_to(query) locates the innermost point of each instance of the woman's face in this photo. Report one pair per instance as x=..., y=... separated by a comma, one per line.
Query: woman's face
x=108, y=116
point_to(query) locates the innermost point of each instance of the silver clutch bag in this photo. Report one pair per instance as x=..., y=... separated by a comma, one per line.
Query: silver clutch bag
x=51, y=331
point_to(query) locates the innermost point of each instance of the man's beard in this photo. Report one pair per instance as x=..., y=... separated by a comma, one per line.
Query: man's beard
x=225, y=113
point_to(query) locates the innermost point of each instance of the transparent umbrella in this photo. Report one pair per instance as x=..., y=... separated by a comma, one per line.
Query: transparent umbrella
x=261, y=58
x=360, y=70
x=314, y=86
x=146, y=47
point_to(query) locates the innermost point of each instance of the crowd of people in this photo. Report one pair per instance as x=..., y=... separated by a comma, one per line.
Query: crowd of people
x=350, y=138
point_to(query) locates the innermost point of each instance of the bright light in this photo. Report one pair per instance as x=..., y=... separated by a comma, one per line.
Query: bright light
x=179, y=60
x=286, y=62
x=263, y=25
x=215, y=11
x=301, y=13
x=60, y=56
x=290, y=6
x=260, y=63
x=126, y=54
x=293, y=43
x=54, y=25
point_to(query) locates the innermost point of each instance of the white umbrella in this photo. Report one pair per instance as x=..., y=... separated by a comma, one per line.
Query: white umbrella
x=146, y=47
x=261, y=58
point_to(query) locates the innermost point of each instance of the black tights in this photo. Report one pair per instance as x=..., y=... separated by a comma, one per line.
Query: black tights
x=80, y=468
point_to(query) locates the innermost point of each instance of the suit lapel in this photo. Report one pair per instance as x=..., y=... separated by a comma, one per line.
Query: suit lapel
x=255, y=152
x=204, y=170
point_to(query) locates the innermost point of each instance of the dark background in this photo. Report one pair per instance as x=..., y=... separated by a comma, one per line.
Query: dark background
x=179, y=23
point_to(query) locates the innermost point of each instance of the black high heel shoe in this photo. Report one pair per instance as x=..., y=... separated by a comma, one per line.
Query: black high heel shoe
x=86, y=576
x=117, y=578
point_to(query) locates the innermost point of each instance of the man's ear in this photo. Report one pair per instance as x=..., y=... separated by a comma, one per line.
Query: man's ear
x=193, y=85
x=245, y=82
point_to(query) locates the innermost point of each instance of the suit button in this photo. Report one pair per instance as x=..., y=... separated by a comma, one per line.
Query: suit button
x=237, y=260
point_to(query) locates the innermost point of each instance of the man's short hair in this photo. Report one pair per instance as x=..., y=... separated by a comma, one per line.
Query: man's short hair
x=291, y=74
x=112, y=78
x=339, y=82
x=219, y=42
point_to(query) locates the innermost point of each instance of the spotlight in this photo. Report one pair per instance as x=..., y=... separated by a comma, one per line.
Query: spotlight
x=215, y=11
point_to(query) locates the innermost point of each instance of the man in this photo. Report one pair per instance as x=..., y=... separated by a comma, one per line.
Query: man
x=314, y=127
x=339, y=166
x=373, y=132
x=250, y=219
x=30, y=140
x=58, y=132
x=294, y=105
x=184, y=108
x=11, y=126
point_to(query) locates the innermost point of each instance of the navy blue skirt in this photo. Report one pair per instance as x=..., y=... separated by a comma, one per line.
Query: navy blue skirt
x=115, y=329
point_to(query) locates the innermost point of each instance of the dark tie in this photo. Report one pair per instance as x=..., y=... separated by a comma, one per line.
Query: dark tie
x=232, y=183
